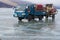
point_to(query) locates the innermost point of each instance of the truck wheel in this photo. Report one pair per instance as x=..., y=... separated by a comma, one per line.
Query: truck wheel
x=40, y=17
x=46, y=16
x=53, y=16
x=19, y=18
x=33, y=17
x=29, y=18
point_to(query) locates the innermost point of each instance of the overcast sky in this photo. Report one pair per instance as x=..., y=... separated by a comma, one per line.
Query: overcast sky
x=56, y=2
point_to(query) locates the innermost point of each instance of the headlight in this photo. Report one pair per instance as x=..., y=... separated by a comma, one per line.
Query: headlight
x=26, y=6
x=15, y=15
x=23, y=13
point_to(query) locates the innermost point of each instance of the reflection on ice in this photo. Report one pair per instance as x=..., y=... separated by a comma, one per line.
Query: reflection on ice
x=36, y=26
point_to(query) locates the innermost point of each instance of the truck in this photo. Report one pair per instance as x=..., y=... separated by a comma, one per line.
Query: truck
x=51, y=11
x=34, y=11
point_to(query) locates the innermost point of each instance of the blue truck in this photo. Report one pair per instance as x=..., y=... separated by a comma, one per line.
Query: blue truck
x=30, y=12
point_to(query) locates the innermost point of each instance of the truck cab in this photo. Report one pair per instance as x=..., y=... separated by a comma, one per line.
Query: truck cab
x=19, y=12
x=29, y=12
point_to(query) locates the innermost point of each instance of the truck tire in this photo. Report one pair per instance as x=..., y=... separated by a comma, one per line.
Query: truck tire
x=53, y=16
x=19, y=18
x=33, y=17
x=29, y=18
x=40, y=17
x=46, y=16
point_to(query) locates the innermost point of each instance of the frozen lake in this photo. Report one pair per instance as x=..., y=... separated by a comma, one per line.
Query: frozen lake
x=12, y=29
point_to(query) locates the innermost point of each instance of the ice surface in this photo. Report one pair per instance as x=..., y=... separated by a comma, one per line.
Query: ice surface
x=12, y=29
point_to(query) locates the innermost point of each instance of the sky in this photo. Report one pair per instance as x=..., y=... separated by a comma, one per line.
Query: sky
x=55, y=2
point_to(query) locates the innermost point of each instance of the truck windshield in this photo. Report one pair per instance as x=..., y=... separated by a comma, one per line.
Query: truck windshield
x=19, y=8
